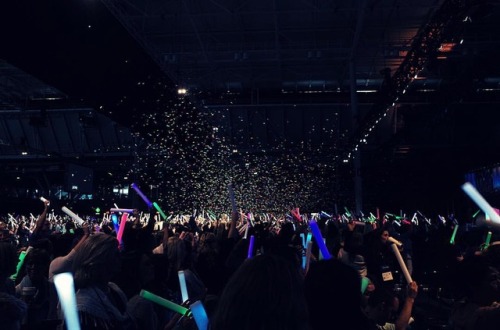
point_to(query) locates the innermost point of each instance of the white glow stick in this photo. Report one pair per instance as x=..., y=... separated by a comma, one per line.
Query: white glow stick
x=481, y=202
x=199, y=315
x=72, y=215
x=43, y=199
x=66, y=291
x=182, y=282
x=121, y=210
x=395, y=241
x=246, y=231
x=402, y=264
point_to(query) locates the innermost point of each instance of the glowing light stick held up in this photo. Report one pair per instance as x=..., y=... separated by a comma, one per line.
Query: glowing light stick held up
x=121, y=210
x=452, y=239
x=199, y=315
x=144, y=198
x=182, y=283
x=487, y=240
x=157, y=207
x=43, y=199
x=164, y=302
x=319, y=239
x=20, y=262
x=66, y=291
x=123, y=222
x=481, y=202
x=402, y=264
x=250, y=247
x=72, y=215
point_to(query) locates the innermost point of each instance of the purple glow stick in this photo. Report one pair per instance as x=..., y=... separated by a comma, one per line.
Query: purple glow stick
x=250, y=247
x=144, y=198
x=121, y=210
x=319, y=240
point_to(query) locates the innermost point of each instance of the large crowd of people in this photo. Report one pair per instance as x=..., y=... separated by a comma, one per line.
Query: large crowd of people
x=250, y=271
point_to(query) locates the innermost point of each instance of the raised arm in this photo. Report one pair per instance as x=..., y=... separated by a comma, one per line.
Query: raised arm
x=42, y=218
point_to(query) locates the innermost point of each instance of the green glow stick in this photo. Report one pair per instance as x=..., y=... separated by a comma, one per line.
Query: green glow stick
x=452, y=239
x=347, y=211
x=164, y=302
x=157, y=207
x=474, y=215
x=488, y=239
x=20, y=263
x=364, y=284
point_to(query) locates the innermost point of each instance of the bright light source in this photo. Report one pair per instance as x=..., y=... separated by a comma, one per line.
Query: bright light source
x=181, y=91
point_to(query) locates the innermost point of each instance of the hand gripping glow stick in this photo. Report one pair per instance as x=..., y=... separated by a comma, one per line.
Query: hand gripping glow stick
x=319, y=240
x=66, y=291
x=182, y=283
x=452, y=239
x=121, y=210
x=139, y=192
x=199, y=315
x=364, y=284
x=481, y=202
x=164, y=302
x=72, y=215
x=123, y=221
x=402, y=264
x=250, y=247
x=395, y=241
x=20, y=262
x=231, y=197
x=157, y=207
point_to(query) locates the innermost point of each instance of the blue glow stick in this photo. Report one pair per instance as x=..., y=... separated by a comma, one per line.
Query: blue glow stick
x=309, y=237
x=144, y=198
x=199, y=315
x=66, y=291
x=114, y=218
x=182, y=282
x=319, y=240
x=250, y=247
x=303, y=239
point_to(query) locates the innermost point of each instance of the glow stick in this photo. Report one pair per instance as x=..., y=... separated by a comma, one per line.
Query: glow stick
x=395, y=241
x=474, y=215
x=43, y=199
x=72, y=215
x=359, y=223
x=452, y=239
x=66, y=291
x=319, y=239
x=121, y=210
x=231, y=197
x=164, y=302
x=488, y=239
x=199, y=315
x=364, y=284
x=250, y=247
x=122, y=228
x=402, y=264
x=157, y=207
x=139, y=192
x=182, y=282
x=481, y=202
x=309, y=237
x=114, y=219
x=308, y=255
x=246, y=230
x=20, y=262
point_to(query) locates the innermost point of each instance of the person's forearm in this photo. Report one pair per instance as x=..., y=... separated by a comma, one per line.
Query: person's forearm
x=404, y=317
